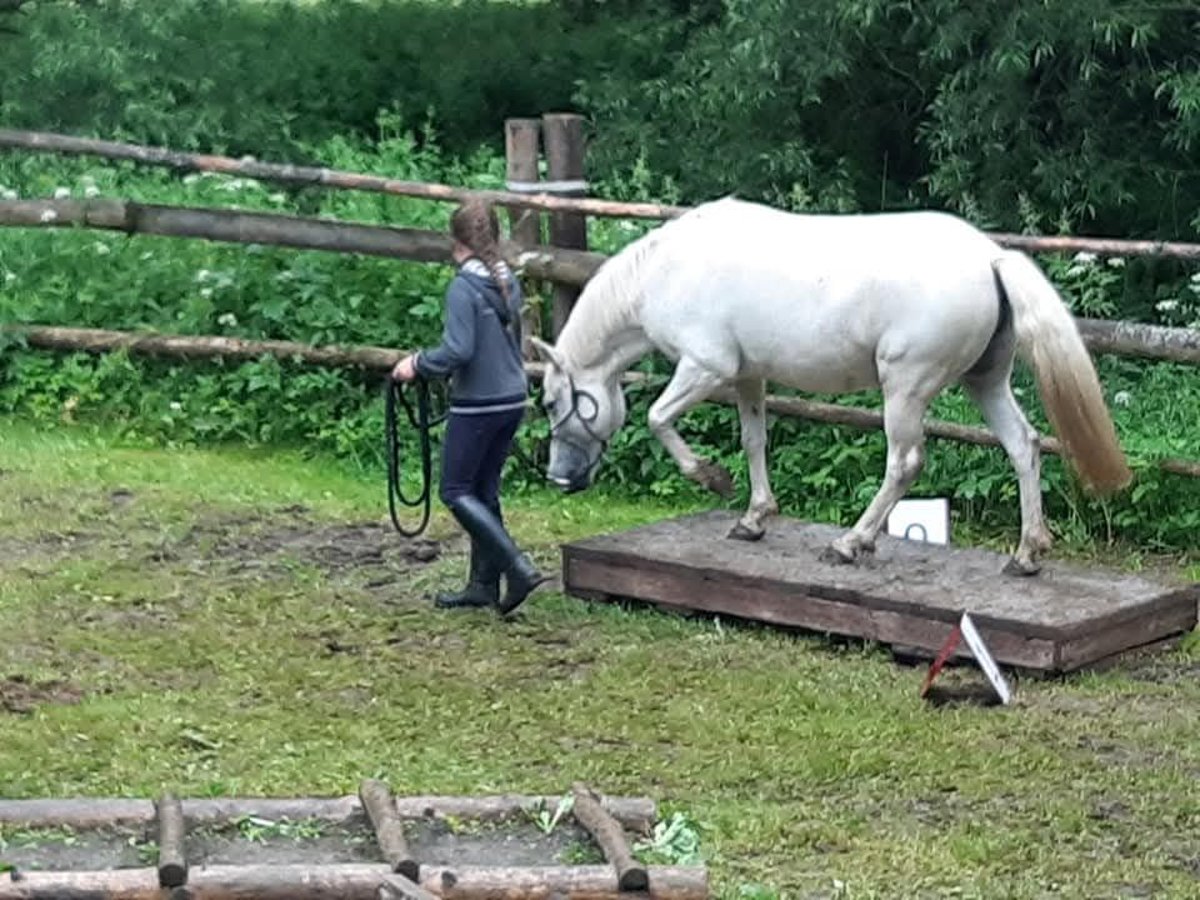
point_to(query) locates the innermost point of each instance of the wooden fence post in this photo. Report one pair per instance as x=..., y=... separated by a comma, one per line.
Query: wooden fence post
x=565, y=170
x=522, y=144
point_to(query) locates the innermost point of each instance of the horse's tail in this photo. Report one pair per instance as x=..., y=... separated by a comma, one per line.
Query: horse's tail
x=1048, y=338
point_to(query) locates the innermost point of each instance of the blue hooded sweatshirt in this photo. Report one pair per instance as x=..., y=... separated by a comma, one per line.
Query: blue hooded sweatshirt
x=480, y=350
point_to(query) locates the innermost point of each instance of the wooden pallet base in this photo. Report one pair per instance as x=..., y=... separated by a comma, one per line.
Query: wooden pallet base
x=908, y=595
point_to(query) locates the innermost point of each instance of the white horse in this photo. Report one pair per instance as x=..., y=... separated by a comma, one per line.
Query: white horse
x=738, y=294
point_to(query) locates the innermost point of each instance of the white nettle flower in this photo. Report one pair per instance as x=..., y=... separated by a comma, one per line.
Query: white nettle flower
x=206, y=293
x=229, y=320
x=202, y=276
x=48, y=215
x=101, y=248
x=176, y=406
x=1117, y=262
x=91, y=191
x=277, y=198
x=1084, y=258
x=10, y=277
x=7, y=193
x=1167, y=305
x=1122, y=398
x=62, y=193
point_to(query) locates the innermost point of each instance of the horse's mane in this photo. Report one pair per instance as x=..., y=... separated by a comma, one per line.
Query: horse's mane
x=608, y=303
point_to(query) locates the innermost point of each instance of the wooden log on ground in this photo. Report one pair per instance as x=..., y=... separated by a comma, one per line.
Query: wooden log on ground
x=76, y=812
x=382, y=359
x=608, y=834
x=635, y=813
x=355, y=881
x=397, y=887
x=172, y=857
x=380, y=805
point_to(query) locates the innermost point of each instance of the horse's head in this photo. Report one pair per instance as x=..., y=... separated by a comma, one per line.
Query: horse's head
x=585, y=408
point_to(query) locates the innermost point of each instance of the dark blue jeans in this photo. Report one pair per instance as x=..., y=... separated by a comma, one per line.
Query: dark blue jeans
x=473, y=455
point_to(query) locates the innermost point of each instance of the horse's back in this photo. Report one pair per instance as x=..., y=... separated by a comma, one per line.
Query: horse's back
x=814, y=300
x=730, y=226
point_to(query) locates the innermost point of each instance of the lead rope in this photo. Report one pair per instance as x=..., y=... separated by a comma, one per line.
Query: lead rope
x=423, y=423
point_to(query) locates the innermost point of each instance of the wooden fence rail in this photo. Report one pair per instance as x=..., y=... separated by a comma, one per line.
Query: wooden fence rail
x=382, y=359
x=280, y=230
x=572, y=267
x=331, y=178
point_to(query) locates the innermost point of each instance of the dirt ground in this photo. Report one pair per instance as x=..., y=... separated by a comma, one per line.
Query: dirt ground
x=514, y=843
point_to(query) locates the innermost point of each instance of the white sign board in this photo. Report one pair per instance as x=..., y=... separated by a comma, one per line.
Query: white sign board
x=921, y=520
x=966, y=630
x=984, y=658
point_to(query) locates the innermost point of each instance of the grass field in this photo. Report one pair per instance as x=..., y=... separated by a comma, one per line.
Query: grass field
x=228, y=622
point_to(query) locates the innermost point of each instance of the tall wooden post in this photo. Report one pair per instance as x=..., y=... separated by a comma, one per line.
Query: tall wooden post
x=522, y=140
x=565, y=171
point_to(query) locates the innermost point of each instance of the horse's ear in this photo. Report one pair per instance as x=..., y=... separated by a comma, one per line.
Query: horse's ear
x=547, y=353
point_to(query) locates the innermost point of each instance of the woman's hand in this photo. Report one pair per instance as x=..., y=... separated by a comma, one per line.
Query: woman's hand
x=406, y=369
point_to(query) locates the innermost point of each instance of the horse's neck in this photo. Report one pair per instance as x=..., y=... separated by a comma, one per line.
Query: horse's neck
x=610, y=351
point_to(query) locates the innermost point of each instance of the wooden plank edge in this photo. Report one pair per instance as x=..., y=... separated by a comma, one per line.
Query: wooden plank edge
x=1171, y=596
x=822, y=616
x=1120, y=639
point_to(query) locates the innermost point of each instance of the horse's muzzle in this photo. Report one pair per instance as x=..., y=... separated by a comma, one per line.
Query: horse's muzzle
x=571, y=485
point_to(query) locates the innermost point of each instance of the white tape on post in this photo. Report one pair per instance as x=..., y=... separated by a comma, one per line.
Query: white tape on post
x=547, y=187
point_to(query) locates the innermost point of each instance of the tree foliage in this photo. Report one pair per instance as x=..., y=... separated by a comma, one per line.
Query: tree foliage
x=1046, y=114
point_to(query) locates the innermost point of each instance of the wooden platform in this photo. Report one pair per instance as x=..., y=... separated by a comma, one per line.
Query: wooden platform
x=909, y=596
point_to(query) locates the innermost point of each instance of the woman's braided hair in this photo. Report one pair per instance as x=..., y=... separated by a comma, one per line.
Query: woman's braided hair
x=475, y=225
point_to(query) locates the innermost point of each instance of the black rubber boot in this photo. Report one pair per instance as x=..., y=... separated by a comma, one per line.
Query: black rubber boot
x=484, y=527
x=483, y=584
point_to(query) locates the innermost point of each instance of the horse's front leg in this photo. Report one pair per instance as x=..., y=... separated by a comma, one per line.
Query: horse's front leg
x=691, y=384
x=751, y=397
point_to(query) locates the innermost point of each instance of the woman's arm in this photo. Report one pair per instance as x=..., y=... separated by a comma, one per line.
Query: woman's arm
x=458, y=335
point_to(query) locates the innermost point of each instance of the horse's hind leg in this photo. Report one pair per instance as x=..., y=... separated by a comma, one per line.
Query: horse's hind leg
x=903, y=410
x=751, y=396
x=691, y=384
x=993, y=394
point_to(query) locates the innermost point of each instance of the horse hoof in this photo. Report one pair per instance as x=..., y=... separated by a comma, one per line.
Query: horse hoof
x=740, y=532
x=1021, y=569
x=835, y=557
